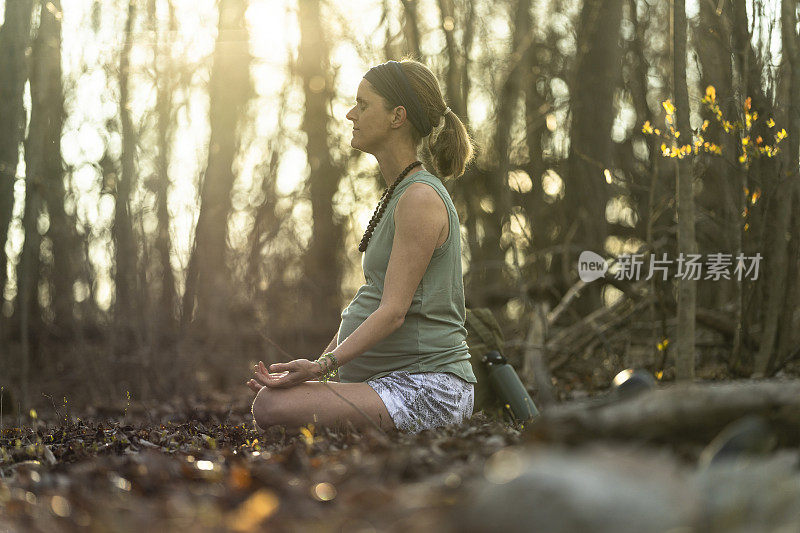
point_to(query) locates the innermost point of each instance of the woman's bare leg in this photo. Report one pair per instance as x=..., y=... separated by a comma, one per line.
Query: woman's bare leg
x=315, y=402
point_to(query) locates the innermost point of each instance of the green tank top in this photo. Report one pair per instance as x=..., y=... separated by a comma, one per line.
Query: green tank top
x=432, y=337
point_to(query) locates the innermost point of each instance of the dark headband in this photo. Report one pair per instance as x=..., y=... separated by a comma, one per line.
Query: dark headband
x=391, y=82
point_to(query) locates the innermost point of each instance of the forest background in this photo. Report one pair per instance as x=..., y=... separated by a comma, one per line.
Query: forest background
x=178, y=197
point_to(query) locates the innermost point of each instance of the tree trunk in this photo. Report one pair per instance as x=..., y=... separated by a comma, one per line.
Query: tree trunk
x=725, y=178
x=324, y=257
x=594, y=83
x=467, y=38
x=61, y=230
x=788, y=330
x=43, y=174
x=777, y=256
x=687, y=288
x=488, y=281
x=411, y=29
x=164, y=316
x=126, y=306
x=208, y=277
x=455, y=58
x=14, y=38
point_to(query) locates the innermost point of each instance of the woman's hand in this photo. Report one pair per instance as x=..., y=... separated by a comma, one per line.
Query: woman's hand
x=283, y=375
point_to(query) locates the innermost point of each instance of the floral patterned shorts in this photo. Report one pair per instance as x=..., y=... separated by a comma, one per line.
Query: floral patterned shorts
x=425, y=400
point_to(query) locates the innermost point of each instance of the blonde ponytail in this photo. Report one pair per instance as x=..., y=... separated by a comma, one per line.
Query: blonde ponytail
x=450, y=144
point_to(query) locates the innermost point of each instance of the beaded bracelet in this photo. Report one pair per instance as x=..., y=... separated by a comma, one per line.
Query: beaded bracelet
x=327, y=372
x=335, y=361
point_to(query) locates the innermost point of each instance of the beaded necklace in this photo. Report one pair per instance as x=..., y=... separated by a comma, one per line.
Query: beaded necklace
x=381, y=207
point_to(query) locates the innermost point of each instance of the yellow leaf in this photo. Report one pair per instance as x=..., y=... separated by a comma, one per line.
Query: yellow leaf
x=771, y=123
x=668, y=107
x=253, y=511
x=308, y=434
x=711, y=93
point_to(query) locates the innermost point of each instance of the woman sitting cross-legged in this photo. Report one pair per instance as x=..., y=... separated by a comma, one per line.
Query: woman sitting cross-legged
x=401, y=351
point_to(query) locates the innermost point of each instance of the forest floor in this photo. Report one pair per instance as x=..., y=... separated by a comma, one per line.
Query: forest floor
x=200, y=465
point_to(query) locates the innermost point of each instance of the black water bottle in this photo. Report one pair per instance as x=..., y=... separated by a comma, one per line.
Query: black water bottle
x=508, y=387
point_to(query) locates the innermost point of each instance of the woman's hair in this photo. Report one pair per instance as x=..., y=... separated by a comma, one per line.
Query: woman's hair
x=449, y=143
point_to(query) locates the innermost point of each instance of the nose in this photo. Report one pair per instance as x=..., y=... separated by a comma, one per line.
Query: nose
x=351, y=115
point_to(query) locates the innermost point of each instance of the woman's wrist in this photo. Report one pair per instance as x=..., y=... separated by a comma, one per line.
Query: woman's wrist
x=328, y=364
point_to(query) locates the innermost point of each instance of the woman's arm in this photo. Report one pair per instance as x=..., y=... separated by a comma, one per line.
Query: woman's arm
x=419, y=218
x=379, y=325
x=375, y=328
x=332, y=345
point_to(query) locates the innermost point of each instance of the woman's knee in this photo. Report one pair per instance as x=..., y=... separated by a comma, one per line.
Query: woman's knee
x=266, y=409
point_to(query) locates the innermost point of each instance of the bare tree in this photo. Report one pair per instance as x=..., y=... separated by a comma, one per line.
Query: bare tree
x=411, y=28
x=488, y=277
x=687, y=244
x=724, y=178
x=594, y=81
x=126, y=305
x=324, y=256
x=778, y=253
x=456, y=59
x=208, y=276
x=61, y=230
x=14, y=38
x=788, y=333
x=43, y=186
x=164, y=67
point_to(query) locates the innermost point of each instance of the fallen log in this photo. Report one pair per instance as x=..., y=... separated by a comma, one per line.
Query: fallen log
x=693, y=412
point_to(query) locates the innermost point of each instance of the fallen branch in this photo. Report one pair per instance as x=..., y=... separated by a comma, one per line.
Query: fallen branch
x=695, y=412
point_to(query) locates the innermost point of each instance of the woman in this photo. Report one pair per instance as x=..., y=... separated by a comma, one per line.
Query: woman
x=401, y=351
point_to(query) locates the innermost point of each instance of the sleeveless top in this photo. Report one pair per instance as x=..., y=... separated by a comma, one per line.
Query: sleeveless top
x=433, y=337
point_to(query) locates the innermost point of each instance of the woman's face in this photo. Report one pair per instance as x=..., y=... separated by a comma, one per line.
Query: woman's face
x=371, y=120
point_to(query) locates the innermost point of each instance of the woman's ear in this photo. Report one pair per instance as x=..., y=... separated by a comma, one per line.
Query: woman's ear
x=398, y=116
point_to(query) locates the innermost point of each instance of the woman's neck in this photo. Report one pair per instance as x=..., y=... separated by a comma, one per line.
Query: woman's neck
x=393, y=162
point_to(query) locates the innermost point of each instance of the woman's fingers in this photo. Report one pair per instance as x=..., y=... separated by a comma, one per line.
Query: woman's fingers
x=278, y=375
x=279, y=367
x=260, y=377
x=286, y=379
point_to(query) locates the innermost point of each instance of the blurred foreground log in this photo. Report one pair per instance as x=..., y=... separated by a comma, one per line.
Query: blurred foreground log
x=691, y=412
x=622, y=489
